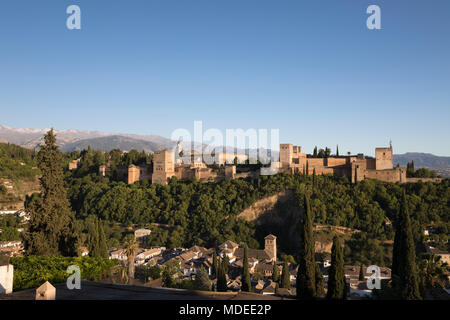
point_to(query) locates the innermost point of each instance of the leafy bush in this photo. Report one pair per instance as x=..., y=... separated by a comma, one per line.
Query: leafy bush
x=33, y=271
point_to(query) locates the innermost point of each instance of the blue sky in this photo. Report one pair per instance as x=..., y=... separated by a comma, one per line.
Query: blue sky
x=310, y=68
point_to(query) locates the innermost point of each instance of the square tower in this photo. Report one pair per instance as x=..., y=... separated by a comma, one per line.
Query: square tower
x=384, y=158
x=286, y=153
x=270, y=246
x=163, y=166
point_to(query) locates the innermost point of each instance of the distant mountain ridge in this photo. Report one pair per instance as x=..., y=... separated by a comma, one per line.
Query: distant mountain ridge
x=70, y=140
x=422, y=160
x=108, y=143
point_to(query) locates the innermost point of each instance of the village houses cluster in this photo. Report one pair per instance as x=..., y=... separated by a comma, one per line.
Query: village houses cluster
x=260, y=263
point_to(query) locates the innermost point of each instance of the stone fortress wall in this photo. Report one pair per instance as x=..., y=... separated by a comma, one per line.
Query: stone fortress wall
x=189, y=166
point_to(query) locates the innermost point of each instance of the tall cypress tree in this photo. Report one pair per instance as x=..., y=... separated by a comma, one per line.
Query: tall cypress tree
x=361, y=272
x=285, y=277
x=337, y=288
x=337, y=150
x=51, y=230
x=307, y=168
x=306, y=278
x=226, y=264
x=246, y=284
x=404, y=268
x=93, y=239
x=275, y=275
x=221, y=279
x=102, y=246
x=215, y=263
x=314, y=177
x=320, y=291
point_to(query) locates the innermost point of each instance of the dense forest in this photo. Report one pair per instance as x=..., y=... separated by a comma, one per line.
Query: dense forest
x=204, y=213
x=17, y=163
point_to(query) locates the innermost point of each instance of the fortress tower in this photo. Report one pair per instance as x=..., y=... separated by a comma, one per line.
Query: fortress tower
x=286, y=151
x=163, y=166
x=271, y=246
x=384, y=158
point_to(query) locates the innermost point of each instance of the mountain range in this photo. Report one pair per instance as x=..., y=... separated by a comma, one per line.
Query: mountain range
x=70, y=140
x=422, y=160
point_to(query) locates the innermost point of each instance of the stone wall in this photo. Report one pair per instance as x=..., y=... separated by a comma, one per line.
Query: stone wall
x=6, y=279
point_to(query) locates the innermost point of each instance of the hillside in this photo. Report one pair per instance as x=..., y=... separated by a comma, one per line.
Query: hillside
x=422, y=160
x=18, y=175
x=425, y=160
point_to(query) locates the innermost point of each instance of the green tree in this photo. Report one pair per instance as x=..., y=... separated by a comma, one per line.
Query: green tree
x=361, y=273
x=93, y=239
x=201, y=281
x=246, y=284
x=221, y=279
x=315, y=152
x=285, y=277
x=433, y=272
x=320, y=291
x=131, y=247
x=404, y=268
x=337, y=288
x=103, y=247
x=215, y=264
x=226, y=264
x=275, y=274
x=337, y=150
x=306, y=286
x=50, y=229
x=170, y=270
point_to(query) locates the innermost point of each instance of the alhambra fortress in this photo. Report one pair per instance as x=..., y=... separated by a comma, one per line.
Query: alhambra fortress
x=175, y=163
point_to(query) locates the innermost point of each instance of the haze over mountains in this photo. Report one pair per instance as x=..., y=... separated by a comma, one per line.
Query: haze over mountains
x=70, y=140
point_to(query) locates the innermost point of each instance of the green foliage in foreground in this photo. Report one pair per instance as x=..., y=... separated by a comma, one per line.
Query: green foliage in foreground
x=17, y=163
x=33, y=271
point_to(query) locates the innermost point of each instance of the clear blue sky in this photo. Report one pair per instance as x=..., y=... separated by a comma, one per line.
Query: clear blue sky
x=310, y=68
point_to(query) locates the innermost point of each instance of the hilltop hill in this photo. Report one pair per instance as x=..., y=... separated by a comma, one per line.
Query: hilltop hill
x=18, y=175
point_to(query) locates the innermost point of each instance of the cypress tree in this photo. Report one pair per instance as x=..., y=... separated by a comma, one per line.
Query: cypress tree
x=51, y=230
x=361, y=273
x=307, y=168
x=337, y=287
x=306, y=286
x=404, y=268
x=93, y=239
x=315, y=152
x=320, y=291
x=275, y=275
x=221, y=279
x=285, y=277
x=215, y=263
x=314, y=177
x=226, y=264
x=246, y=284
x=102, y=246
x=337, y=150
